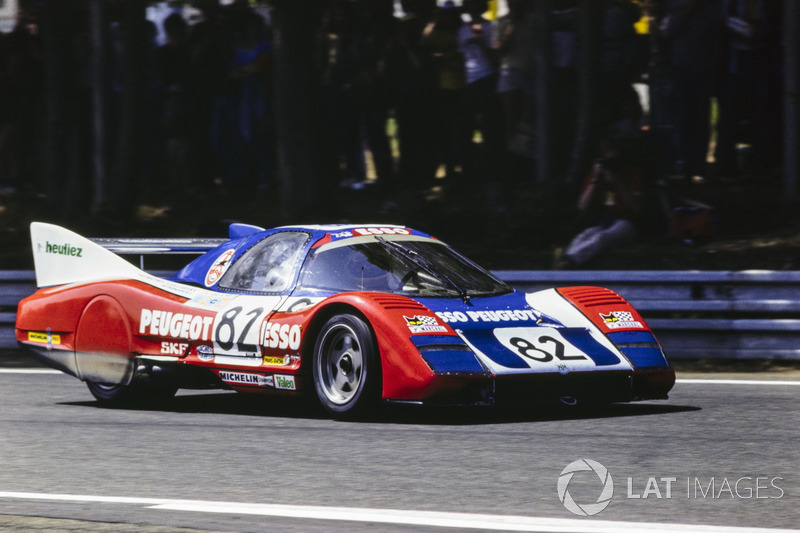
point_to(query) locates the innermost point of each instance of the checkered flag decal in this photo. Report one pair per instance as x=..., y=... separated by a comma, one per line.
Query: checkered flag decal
x=427, y=320
x=623, y=316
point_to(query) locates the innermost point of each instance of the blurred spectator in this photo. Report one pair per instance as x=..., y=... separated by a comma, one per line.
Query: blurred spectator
x=766, y=158
x=76, y=196
x=252, y=70
x=618, y=60
x=620, y=199
x=515, y=45
x=623, y=196
x=564, y=83
x=745, y=33
x=377, y=26
x=611, y=200
x=662, y=118
x=481, y=109
x=411, y=79
x=441, y=40
x=232, y=64
x=173, y=67
x=693, y=29
x=214, y=133
x=343, y=76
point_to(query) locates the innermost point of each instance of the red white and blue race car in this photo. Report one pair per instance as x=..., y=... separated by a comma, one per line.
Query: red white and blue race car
x=351, y=314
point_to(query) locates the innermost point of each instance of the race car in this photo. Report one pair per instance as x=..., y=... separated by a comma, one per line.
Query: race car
x=354, y=315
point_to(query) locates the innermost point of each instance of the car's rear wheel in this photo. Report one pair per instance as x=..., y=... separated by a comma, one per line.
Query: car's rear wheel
x=346, y=367
x=134, y=394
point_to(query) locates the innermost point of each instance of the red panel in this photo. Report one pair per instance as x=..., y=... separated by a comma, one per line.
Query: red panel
x=103, y=328
x=605, y=308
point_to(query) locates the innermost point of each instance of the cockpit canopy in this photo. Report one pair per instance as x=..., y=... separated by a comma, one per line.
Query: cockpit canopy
x=400, y=264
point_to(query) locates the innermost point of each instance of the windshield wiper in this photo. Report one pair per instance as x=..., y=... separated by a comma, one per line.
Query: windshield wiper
x=425, y=264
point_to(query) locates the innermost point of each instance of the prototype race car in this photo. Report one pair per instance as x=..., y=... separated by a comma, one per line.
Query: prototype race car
x=352, y=314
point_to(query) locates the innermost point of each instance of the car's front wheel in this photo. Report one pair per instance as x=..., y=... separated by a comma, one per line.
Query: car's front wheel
x=346, y=367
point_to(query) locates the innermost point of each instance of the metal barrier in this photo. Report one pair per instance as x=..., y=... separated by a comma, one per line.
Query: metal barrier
x=752, y=314
x=14, y=286
x=695, y=314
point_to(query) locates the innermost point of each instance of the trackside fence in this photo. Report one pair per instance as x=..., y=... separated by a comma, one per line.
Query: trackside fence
x=14, y=286
x=695, y=314
x=753, y=314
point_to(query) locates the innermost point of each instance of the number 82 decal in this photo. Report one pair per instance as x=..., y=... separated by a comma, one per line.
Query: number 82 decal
x=544, y=348
x=234, y=329
x=544, y=352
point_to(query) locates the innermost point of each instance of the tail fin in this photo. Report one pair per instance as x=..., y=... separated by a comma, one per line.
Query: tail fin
x=61, y=256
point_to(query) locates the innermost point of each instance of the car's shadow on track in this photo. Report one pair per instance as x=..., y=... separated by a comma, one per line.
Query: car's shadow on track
x=512, y=415
x=228, y=403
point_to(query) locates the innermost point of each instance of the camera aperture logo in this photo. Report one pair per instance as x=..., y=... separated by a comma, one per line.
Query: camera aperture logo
x=582, y=480
x=605, y=481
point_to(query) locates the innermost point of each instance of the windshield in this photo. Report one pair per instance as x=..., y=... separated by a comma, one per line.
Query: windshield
x=416, y=267
x=269, y=266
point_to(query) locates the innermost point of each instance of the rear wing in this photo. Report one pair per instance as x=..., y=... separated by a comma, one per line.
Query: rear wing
x=150, y=246
x=61, y=256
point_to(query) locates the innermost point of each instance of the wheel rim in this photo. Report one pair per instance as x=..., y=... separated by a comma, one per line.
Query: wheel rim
x=340, y=366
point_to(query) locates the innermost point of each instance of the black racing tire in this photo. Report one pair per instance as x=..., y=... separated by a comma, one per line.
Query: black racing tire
x=136, y=394
x=346, y=367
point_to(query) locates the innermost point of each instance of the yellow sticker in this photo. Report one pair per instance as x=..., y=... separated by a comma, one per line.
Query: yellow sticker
x=35, y=336
x=274, y=360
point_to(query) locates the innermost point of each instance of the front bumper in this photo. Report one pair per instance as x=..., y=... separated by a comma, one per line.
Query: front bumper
x=575, y=388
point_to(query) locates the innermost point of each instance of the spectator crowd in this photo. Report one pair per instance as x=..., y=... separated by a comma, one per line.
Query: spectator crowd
x=419, y=94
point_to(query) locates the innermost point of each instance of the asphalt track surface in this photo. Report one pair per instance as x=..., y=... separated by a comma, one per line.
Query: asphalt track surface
x=722, y=454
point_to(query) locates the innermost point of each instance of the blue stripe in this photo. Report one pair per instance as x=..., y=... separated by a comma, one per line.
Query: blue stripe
x=640, y=356
x=452, y=361
x=486, y=342
x=427, y=340
x=583, y=340
x=623, y=337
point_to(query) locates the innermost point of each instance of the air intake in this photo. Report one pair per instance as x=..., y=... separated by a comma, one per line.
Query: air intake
x=390, y=301
x=592, y=296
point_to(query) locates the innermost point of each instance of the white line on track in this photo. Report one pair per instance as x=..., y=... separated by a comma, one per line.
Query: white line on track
x=395, y=516
x=738, y=382
x=29, y=371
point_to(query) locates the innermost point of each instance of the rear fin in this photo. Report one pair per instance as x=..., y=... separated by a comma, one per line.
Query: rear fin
x=237, y=230
x=61, y=256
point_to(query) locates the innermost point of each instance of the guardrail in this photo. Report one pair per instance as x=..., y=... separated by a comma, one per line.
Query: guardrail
x=14, y=286
x=695, y=314
x=752, y=314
